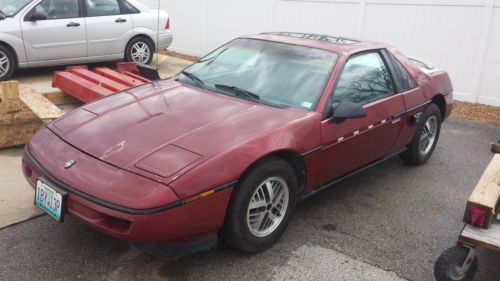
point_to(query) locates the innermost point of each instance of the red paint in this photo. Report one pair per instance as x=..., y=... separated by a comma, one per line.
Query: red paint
x=87, y=86
x=477, y=216
x=159, y=143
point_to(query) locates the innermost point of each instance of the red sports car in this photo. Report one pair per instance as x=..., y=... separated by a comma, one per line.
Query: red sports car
x=230, y=144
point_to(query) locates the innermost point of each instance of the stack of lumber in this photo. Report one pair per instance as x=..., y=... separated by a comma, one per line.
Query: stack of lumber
x=485, y=197
x=22, y=113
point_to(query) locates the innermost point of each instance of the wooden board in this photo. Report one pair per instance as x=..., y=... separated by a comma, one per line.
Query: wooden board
x=487, y=192
x=22, y=114
x=59, y=98
x=486, y=238
x=41, y=106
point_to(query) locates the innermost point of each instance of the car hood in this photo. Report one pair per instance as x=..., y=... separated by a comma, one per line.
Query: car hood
x=165, y=128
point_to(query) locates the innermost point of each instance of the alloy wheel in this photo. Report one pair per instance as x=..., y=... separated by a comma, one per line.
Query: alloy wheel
x=4, y=64
x=268, y=206
x=140, y=53
x=428, y=135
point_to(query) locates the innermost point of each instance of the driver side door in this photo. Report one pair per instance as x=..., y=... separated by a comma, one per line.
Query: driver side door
x=354, y=143
x=60, y=35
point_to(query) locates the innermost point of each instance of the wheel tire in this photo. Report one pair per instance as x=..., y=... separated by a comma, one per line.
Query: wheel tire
x=237, y=231
x=414, y=154
x=444, y=268
x=133, y=51
x=7, y=63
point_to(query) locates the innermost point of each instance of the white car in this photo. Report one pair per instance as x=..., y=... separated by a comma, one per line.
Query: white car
x=36, y=33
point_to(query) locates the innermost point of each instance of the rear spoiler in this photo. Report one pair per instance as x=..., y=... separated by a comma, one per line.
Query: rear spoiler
x=422, y=63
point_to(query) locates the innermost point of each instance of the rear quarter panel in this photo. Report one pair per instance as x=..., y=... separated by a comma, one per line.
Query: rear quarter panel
x=146, y=23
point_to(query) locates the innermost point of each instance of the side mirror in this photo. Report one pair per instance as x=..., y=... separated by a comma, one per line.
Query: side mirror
x=36, y=16
x=347, y=110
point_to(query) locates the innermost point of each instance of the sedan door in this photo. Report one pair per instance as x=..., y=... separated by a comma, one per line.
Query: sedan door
x=108, y=27
x=348, y=146
x=54, y=30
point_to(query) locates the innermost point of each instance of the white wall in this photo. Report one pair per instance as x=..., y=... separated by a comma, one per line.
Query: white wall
x=460, y=36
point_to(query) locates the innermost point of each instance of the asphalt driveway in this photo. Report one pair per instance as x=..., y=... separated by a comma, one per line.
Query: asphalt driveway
x=388, y=223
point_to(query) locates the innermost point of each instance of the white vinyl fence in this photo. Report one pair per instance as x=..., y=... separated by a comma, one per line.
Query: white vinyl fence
x=460, y=36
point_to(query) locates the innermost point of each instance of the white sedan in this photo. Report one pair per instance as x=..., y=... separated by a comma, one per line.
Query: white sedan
x=36, y=33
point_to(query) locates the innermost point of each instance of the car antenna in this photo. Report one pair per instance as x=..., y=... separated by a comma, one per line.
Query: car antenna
x=158, y=36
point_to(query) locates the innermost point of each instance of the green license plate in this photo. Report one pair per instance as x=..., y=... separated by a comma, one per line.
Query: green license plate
x=50, y=200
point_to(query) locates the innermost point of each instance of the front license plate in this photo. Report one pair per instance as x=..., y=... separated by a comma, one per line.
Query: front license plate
x=50, y=200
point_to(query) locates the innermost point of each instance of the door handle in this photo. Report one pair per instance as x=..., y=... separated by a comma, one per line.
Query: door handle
x=120, y=20
x=73, y=24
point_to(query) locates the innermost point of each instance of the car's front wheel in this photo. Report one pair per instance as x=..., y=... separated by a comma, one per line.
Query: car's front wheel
x=427, y=134
x=261, y=206
x=7, y=63
x=139, y=50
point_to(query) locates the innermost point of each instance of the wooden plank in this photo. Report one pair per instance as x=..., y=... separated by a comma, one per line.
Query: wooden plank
x=487, y=192
x=22, y=114
x=486, y=238
x=59, y=98
x=41, y=106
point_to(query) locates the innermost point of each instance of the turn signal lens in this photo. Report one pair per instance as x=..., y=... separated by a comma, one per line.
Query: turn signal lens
x=199, y=196
x=167, y=26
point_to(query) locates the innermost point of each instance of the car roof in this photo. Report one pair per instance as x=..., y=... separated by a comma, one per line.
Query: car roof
x=341, y=45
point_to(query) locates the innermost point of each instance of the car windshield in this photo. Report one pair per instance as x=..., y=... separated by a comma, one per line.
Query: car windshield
x=11, y=7
x=268, y=72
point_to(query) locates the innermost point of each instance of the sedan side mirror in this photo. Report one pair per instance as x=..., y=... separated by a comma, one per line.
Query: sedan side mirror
x=347, y=110
x=36, y=16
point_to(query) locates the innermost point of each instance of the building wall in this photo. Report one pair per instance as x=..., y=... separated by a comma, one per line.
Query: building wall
x=460, y=36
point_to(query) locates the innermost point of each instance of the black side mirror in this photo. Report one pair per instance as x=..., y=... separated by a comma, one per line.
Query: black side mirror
x=347, y=110
x=36, y=16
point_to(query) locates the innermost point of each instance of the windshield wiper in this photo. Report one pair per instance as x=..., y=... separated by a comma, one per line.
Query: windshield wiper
x=238, y=91
x=2, y=15
x=193, y=78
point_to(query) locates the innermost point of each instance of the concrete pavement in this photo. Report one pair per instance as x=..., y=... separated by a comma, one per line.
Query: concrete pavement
x=388, y=223
x=16, y=196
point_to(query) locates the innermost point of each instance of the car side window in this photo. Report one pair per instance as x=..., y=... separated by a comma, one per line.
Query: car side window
x=130, y=9
x=403, y=81
x=364, y=79
x=99, y=8
x=58, y=9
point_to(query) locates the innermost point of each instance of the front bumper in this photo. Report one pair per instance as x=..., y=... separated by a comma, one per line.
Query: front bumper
x=169, y=224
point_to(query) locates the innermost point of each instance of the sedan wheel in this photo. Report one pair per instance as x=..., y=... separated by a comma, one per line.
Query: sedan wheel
x=6, y=64
x=140, y=51
x=261, y=206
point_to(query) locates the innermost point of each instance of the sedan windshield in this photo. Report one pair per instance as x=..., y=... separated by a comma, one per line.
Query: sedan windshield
x=11, y=7
x=264, y=71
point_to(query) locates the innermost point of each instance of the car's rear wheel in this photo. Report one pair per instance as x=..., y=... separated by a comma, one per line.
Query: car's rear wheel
x=7, y=63
x=426, y=136
x=140, y=50
x=261, y=206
